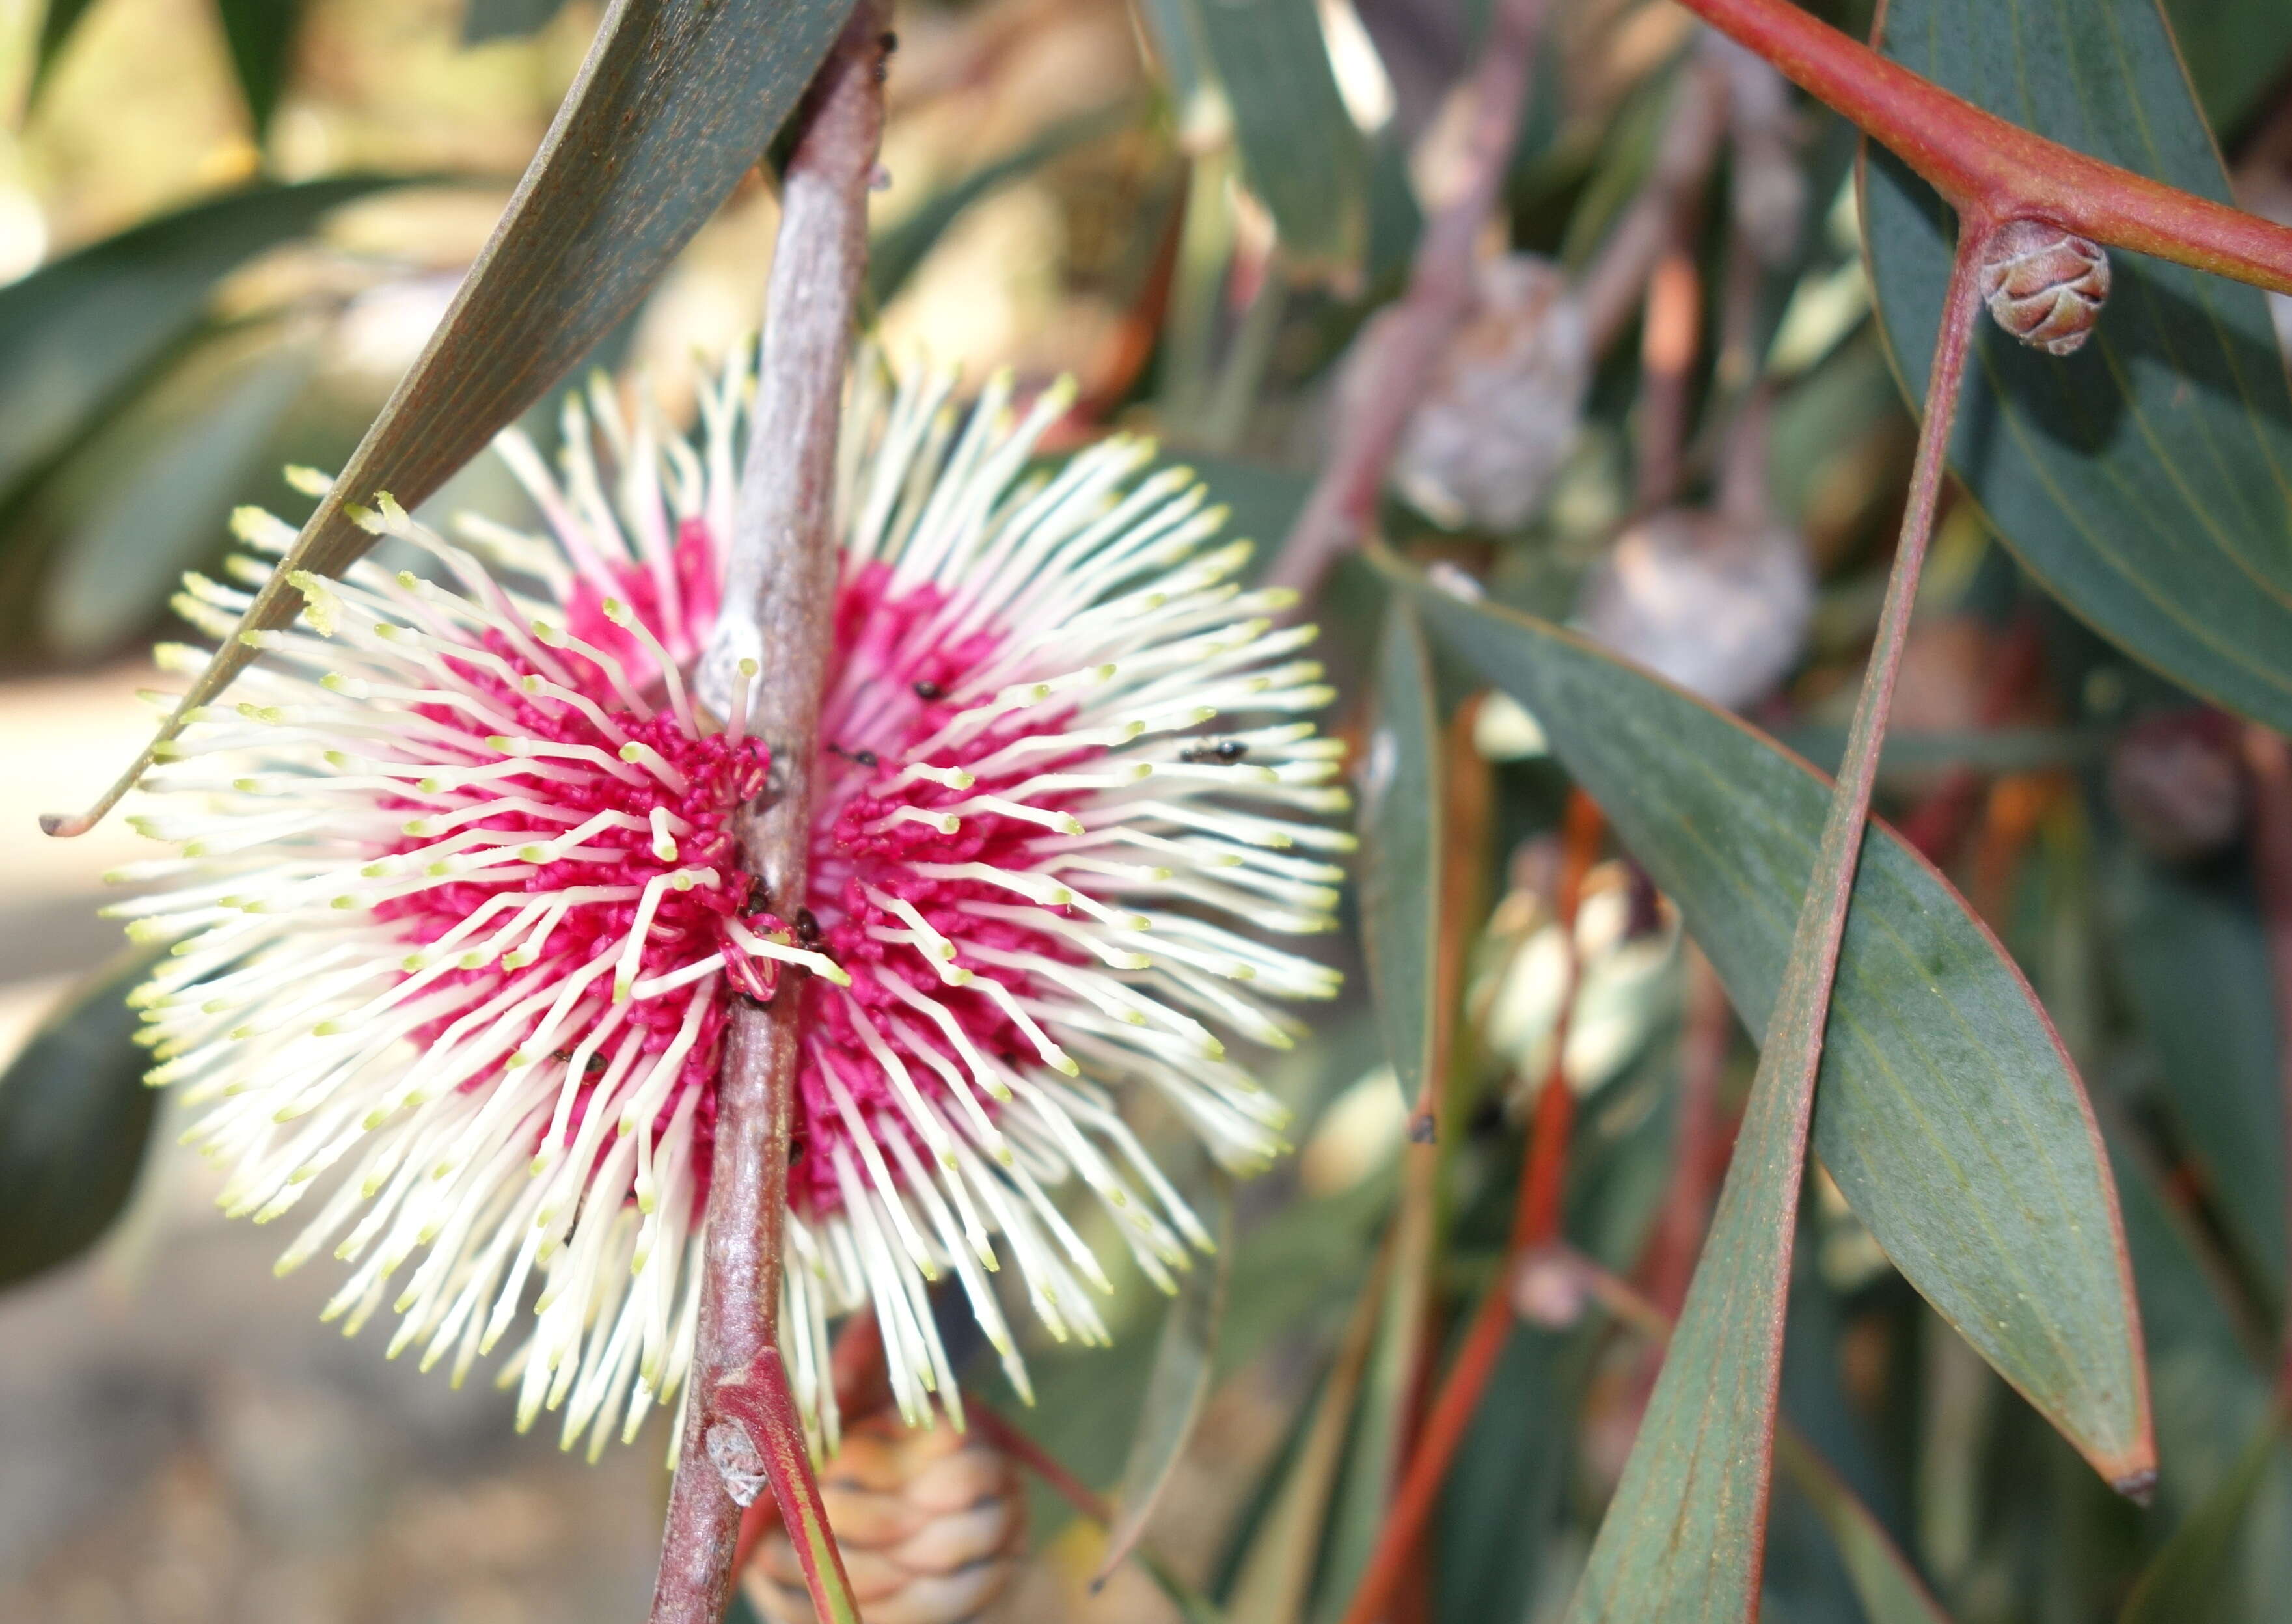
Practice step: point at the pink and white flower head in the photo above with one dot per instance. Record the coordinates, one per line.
(459, 915)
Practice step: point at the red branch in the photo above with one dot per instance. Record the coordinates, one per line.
(1988, 168)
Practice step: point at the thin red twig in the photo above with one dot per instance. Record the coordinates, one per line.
(778, 594)
(1413, 333)
(765, 1409)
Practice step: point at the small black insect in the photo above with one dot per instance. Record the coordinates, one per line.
(759, 896)
(807, 926)
(1214, 749)
(865, 758)
(795, 1152)
(928, 689)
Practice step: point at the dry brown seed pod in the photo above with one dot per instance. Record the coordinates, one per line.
(2044, 284)
(1503, 406)
(930, 1523)
(1719, 606)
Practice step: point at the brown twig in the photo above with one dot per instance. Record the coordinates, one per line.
(778, 594)
(1612, 285)
(1409, 340)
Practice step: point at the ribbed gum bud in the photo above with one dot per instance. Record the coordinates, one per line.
(2044, 284)
(930, 1521)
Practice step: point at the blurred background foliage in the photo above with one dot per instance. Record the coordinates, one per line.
(231, 225)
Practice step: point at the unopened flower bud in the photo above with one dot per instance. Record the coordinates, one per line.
(2044, 284)
(929, 1523)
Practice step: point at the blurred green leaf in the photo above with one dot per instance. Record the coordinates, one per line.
(1273, 1578)
(1946, 1112)
(1178, 1388)
(489, 20)
(2196, 964)
(674, 103)
(893, 254)
(2237, 51)
(1401, 854)
(261, 37)
(1884, 1582)
(56, 25)
(74, 1116)
(161, 503)
(1301, 151)
(2212, 1392)
(2185, 1579)
(2147, 479)
(77, 332)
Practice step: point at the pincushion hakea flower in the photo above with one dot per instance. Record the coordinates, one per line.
(458, 916)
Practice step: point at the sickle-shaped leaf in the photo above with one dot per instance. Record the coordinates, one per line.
(2146, 479)
(1884, 1582)
(674, 102)
(1400, 853)
(1947, 1110)
(74, 1116)
(1301, 151)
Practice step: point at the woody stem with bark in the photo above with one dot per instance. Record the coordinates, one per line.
(779, 593)
(1409, 339)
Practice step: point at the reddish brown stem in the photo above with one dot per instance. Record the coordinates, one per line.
(1670, 1259)
(762, 1406)
(1411, 336)
(1535, 1219)
(779, 590)
(1989, 168)
(2269, 765)
(1543, 1180)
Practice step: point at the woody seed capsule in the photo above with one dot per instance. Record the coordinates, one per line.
(2045, 285)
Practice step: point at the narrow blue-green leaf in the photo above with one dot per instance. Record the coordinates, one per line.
(2185, 1579)
(1178, 1388)
(74, 1116)
(1301, 151)
(674, 104)
(2213, 1391)
(2237, 51)
(1888, 1586)
(1946, 1109)
(76, 333)
(260, 35)
(1400, 853)
(2147, 479)
(158, 515)
(491, 20)
(2196, 961)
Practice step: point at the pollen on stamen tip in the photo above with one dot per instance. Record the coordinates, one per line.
(476, 924)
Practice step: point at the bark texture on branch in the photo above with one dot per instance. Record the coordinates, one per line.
(779, 593)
